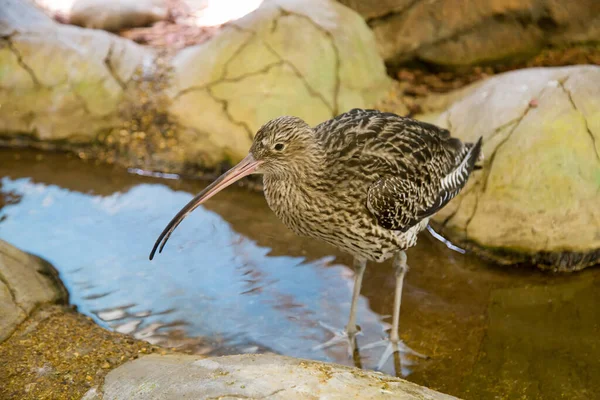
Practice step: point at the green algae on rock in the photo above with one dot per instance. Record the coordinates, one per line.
(296, 58)
(60, 82)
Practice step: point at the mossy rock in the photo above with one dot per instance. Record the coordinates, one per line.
(537, 200)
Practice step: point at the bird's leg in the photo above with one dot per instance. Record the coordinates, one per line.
(348, 335)
(359, 271)
(394, 344)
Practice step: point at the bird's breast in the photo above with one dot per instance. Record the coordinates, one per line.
(296, 206)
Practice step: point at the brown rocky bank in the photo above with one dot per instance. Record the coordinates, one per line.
(60, 354)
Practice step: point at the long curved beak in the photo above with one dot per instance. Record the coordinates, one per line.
(245, 167)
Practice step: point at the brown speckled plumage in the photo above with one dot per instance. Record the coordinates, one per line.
(366, 182)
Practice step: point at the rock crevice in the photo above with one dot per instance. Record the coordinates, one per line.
(225, 105)
(12, 293)
(336, 90)
(109, 66)
(22, 63)
(585, 121)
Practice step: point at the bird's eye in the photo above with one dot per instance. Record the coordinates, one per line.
(279, 146)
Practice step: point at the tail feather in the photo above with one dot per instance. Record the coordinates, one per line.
(452, 183)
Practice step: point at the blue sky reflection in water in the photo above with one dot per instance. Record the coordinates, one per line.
(216, 281)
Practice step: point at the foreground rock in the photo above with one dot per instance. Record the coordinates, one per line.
(26, 282)
(537, 199)
(251, 377)
(456, 32)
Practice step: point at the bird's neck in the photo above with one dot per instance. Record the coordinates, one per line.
(307, 169)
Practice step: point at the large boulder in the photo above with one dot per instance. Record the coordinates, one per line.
(60, 82)
(458, 32)
(538, 197)
(312, 59)
(26, 282)
(251, 377)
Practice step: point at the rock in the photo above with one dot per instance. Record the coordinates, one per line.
(455, 33)
(61, 82)
(536, 200)
(115, 15)
(313, 60)
(252, 376)
(26, 282)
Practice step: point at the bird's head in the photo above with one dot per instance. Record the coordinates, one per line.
(285, 147)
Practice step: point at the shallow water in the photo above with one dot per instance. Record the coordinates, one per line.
(233, 279)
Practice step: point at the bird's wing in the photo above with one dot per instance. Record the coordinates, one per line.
(385, 143)
(400, 202)
(411, 169)
(453, 182)
(395, 202)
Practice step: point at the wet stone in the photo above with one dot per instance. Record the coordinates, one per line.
(253, 376)
(25, 283)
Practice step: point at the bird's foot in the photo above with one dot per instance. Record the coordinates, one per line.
(391, 347)
(340, 336)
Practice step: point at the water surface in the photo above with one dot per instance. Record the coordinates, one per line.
(233, 279)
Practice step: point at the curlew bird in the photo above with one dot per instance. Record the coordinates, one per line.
(366, 182)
